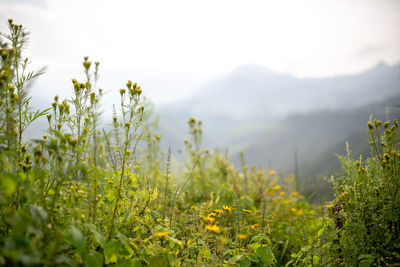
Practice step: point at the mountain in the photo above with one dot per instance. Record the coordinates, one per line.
(270, 115)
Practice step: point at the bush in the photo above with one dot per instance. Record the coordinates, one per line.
(366, 209)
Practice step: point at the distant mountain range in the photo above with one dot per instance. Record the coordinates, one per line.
(270, 115)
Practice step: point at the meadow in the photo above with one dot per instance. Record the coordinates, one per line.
(87, 196)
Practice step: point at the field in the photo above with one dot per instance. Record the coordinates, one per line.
(86, 196)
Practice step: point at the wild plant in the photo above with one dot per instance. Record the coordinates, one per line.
(366, 209)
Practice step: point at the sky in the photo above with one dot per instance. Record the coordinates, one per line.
(173, 48)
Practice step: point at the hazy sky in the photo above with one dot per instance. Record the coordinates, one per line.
(172, 47)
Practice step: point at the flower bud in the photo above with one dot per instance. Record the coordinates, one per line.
(10, 87)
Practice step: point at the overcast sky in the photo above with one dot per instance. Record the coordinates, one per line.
(173, 47)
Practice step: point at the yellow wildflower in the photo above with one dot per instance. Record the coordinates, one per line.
(253, 226)
(295, 194)
(218, 211)
(227, 208)
(208, 219)
(293, 209)
(278, 187)
(270, 191)
(300, 212)
(247, 211)
(271, 172)
(213, 228)
(282, 193)
(274, 213)
(242, 236)
(161, 234)
(81, 191)
(193, 207)
(287, 201)
(212, 214)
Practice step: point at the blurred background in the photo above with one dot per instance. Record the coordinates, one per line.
(287, 82)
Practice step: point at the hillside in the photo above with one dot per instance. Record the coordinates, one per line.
(269, 116)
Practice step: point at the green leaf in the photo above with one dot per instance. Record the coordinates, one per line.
(315, 259)
(38, 214)
(75, 237)
(245, 262)
(129, 263)
(97, 236)
(262, 239)
(265, 254)
(111, 251)
(93, 258)
(253, 258)
(8, 184)
(159, 260)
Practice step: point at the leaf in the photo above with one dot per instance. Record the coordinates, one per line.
(111, 251)
(38, 214)
(75, 237)
(159, 260)
(129, 263)
(253, 258)
(93, 258)
(245, 262)
(315, 259)
(7, 184)
(265, 254)
(97, 236)
(262, 239)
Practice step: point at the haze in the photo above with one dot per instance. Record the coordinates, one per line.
(174, 47)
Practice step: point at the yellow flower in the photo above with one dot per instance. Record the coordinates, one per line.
(193, 207)
(253, 226)
(81, 191)
(161, 234)
(274, 213)
(271, 172)
(300, 212)
(270, 191)
(218, 211)
(293, 209)
(227, 208)
(213, 228)
(278, 187)
(212, 214)
(247, 211)
(242, 236)
(208, 219)
(282, 193)
(295, 194)
(287, 201)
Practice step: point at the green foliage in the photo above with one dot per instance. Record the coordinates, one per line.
(366, 209)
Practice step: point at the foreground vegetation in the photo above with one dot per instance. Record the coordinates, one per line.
(83, 195)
